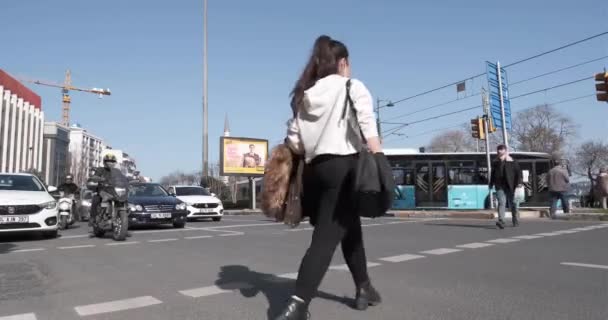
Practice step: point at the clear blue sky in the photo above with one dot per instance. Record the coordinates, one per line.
(149, 53)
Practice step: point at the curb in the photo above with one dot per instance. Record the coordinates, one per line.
(435, 214)
(241, 212)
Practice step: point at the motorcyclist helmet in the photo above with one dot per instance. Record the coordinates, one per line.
(69, 178)
(109, 161)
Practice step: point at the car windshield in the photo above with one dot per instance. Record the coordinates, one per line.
(20, 183)
(191, 191)
(147, 190)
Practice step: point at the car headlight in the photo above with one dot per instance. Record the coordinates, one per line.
(85, 203)
(180, 206)
(64, 206)
(49, 205)
(135, 208)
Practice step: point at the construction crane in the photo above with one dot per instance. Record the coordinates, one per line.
(66, 87)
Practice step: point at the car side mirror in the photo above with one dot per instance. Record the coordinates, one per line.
(52, 189)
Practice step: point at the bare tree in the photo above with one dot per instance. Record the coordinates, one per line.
(589, 158)
(452, 141)
(543, 129)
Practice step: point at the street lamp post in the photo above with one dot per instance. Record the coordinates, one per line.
(205, 100)
(378, 107)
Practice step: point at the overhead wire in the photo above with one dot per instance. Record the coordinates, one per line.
(506, 66)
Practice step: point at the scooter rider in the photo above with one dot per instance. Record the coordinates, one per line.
(68, 186)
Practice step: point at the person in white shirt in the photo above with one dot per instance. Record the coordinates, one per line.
(329, 140)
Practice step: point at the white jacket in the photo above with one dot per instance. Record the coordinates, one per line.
(318, 128)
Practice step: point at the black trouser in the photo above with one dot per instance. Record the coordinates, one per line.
(95, 203)
(327, 199)
(555, 196)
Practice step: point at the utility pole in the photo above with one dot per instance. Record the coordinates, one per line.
(486, 116)
(205, 98)
(378, 118)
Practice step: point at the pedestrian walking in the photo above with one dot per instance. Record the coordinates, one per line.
(506, 177)
(559, 183)
(322, 132)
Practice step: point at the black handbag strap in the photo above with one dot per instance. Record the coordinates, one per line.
(349, 104)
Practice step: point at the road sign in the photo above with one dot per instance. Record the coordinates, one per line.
(495, 84)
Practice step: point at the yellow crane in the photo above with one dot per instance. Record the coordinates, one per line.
(66, 87)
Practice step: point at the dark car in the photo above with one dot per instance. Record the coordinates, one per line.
(150, 203)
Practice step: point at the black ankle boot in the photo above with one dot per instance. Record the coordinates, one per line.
(367, 296)
(295, 310)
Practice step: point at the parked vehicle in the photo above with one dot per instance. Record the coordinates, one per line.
(26, 205)
(112, 214)
(150, 203)
(200, 202)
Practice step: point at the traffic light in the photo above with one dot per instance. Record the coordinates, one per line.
(602, 86)
(478, 128)
(491, 127)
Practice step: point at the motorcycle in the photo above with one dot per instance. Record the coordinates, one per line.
(112, 214)
(66, 206)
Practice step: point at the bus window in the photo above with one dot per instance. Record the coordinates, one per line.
(462, 176)
(403, 177)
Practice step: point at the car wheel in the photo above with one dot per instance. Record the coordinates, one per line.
(217, 219)
(50, 234)
(179, 224)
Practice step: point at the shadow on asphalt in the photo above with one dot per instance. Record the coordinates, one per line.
(276, 290)
(6, 247)
(461, 225)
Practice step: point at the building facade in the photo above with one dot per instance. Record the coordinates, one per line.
(56, 153)
(85, 153)
(21, 126)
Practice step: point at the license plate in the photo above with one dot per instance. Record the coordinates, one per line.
(161, 215)
(64, 213)
(206, 210)
(14, 219)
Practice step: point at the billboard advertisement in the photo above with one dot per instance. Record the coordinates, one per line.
(243, 156)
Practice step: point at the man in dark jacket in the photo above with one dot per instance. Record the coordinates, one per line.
(559, 180)
(506, 177)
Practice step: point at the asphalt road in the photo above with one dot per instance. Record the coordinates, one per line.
(242, 268)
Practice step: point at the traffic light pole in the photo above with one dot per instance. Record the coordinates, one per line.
(486, 118)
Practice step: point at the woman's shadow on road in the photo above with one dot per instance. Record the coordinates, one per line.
(277, 290)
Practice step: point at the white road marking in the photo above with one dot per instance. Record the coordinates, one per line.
(567, 231)
(585, 265)
(25, 316)
(344, 267)
(231, 234)
(27, 250)
(474, 245)
(293, 275)
(503, 240)
(118, 305)
(527, 237)
(243, 226)
(402, 258)
(213, 290)
(547, 234)
(163, 240)
(121, 243)
(77, 247)
(440, 251)
(198, 237)
(74, 236)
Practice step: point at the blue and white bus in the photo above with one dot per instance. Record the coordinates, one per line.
(459, 180)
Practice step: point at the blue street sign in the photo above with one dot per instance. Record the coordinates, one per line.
(494, 92)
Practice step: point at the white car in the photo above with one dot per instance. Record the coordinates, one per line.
(201, 203)
(26, 205)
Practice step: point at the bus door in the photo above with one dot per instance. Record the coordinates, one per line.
(431, 184)
(405, 197)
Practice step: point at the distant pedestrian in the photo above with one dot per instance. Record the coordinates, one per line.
(559, 183)
(506, 177)
(330, 148)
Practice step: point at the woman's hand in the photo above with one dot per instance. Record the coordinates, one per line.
(374, 145)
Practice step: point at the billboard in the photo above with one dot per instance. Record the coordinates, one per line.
(243, 156)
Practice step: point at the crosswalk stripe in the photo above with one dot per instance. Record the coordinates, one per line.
(118, 305)
(402, 258)
(213, 290)
(440, 251)
(25, 316)
(474, 245)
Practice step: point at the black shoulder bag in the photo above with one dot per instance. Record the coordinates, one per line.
(374, 185)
